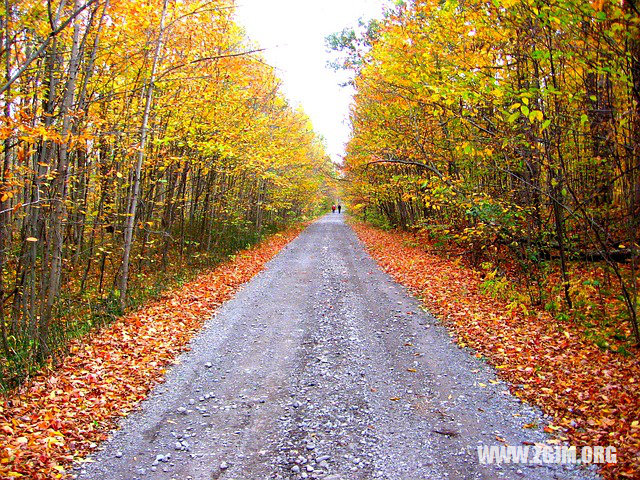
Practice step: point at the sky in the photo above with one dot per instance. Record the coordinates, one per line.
(293, 33)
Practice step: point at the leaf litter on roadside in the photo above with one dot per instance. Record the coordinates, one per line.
(63, 412)
(592, 394)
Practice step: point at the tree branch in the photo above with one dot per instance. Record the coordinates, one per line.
(215, 57)
(45, 44)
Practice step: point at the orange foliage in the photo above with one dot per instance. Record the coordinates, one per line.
(61, 414)
(592, 395)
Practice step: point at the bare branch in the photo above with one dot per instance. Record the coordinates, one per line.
(215, 57)
(45, 44)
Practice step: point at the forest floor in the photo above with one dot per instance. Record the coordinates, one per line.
(322, 366)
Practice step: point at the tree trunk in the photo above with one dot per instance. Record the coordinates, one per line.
(133, 202)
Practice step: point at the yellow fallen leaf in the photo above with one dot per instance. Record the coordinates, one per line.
(411, 370)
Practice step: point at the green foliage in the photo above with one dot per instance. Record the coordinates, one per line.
(351, 45)
(500, 129)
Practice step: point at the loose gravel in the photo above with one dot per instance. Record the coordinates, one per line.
(322, 367)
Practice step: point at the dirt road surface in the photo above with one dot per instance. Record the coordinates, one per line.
(323, 367)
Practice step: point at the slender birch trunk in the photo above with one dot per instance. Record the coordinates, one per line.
(60, 189)
(135, 192)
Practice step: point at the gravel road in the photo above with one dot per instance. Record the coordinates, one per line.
(323, 367)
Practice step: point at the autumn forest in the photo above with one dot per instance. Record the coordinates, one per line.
(137, 135)
(494, 154)
(508, 129)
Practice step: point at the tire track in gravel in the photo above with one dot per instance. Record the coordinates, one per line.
(323, 367)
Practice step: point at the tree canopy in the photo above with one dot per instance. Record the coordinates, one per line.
(132, 132)
(510, 128)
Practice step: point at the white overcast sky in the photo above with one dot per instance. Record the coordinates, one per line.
(293, 32)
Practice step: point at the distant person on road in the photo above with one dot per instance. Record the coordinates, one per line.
(333, 209)
(339, 208)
